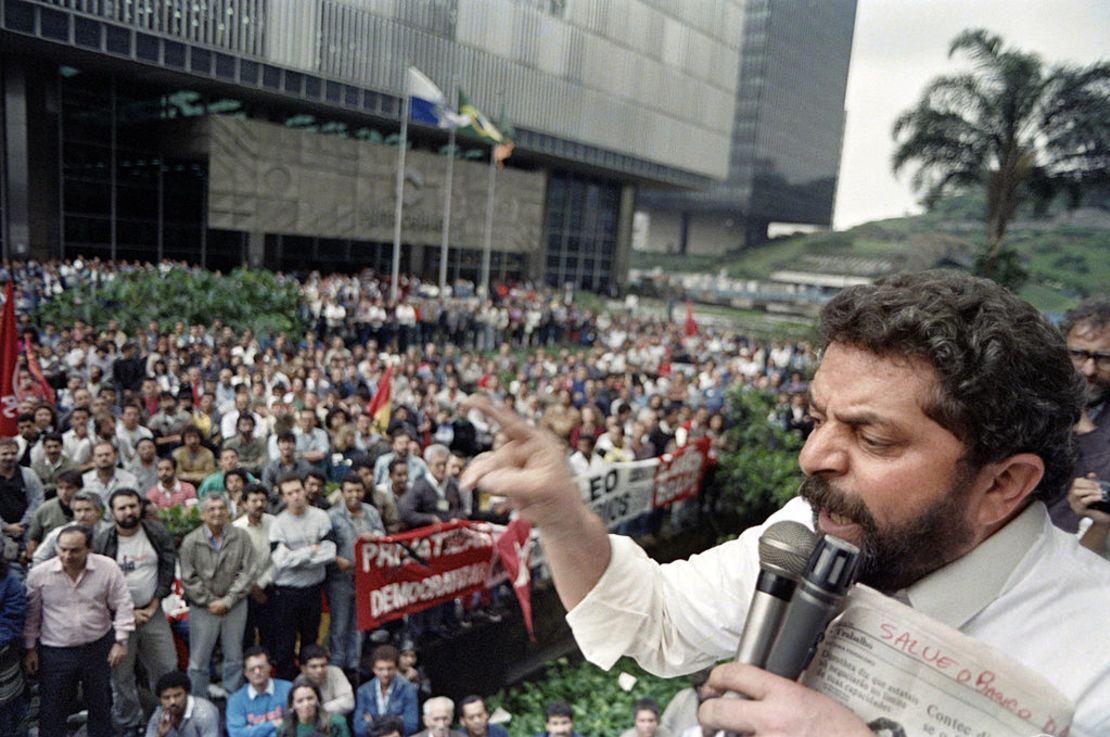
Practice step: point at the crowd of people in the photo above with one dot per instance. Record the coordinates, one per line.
(270, 439)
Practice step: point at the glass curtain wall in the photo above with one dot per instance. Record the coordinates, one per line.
(123, 196)
(580, 231)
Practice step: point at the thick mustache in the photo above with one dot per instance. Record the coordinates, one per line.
(823, 495)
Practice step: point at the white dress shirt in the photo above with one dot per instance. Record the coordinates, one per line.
(1029, 590)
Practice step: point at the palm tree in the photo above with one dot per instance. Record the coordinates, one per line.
(1012, 126)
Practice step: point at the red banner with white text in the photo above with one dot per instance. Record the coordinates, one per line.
(401, 574)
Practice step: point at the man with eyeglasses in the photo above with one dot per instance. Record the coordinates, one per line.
(1087, 331)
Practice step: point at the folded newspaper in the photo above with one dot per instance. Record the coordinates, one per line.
(907, 674)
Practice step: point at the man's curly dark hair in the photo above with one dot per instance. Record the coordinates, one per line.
(1006, 384)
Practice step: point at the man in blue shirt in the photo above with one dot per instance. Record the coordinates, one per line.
(257, 709)
(385, 694)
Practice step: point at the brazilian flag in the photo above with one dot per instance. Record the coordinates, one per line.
(480, 125)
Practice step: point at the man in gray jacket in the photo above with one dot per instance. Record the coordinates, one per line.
(21, 494)
(217, 565)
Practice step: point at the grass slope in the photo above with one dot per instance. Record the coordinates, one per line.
(1067, 254)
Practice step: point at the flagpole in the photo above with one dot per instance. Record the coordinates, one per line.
(487, 246)
(447, 205)
(399, 207)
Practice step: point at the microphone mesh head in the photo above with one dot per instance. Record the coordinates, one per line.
(785, 547)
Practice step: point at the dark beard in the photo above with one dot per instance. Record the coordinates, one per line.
(129, 522)
(895, 558)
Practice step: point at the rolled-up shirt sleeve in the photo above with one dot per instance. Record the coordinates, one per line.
(675, 618)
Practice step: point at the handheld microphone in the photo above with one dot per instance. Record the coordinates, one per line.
(830, 572)
(784, 550)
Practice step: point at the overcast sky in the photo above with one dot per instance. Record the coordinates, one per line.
(902, 44)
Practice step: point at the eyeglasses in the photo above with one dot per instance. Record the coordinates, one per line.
(1080, 357)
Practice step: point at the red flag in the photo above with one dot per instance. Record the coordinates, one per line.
(44, 387)
(9, 357)
(691, 326)
(514, 547)
(380, 404)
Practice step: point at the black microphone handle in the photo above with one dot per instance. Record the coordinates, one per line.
(831, 571)
(802, 629)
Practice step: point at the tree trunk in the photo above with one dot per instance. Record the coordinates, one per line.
(1003, 197)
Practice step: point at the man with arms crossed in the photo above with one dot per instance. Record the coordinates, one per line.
(943, 411)
(302, 544)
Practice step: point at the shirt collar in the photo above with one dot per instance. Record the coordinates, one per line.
(55, 563)
(190, 702)
(255, 694)
(957, 592)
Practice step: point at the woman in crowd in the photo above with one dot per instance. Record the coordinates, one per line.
(305, 717)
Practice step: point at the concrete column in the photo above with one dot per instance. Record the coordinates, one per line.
(623, 256)
(256, 249)
(17, 163)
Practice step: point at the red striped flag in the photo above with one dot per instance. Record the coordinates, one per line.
(380, 404)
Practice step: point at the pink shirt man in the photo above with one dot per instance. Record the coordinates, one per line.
(62, 612)
(180, 494)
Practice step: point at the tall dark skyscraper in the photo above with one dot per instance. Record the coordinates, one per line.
(787, 131)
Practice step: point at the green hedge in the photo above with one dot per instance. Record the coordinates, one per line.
(759, 470)
(243, 298)
(601, 707)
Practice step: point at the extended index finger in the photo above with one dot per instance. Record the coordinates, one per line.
(511, 423)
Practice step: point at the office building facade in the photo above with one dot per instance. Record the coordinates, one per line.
(265, 131)
(787, 134)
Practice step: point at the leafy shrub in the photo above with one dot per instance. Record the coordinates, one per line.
(244, 298)
(180, 521)
(601, 707)
(759, 469)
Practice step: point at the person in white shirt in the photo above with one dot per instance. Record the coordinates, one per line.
(335, 690)
(105, 477)
(257, 523)
(943, 410)
(76, 443)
